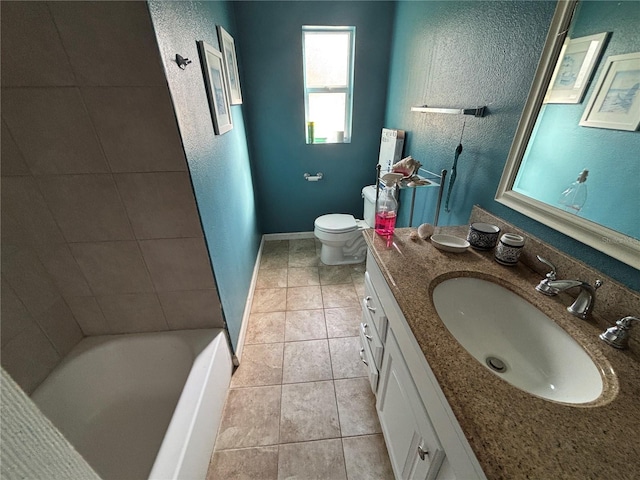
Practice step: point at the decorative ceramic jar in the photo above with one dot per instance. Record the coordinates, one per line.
(509, 249)
(483, 236)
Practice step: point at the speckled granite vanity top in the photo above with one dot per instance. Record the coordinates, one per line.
(515, 434)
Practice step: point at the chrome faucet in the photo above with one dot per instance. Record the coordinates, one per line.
(583, 304)
(618, 336)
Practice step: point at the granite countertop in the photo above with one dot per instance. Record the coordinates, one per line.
(513, 433)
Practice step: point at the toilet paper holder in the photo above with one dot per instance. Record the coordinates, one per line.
(313, 178)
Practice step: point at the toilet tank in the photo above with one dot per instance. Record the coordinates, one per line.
(369, 195)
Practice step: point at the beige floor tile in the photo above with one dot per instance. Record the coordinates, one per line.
(367, 458)
(306, 361)
(303, 298)
(302, 245)
(304, 325)
(250, 418)
(319, 460)
(303, 277)
(356, 407)
(266, 327)
(272, 278)
(345, 358)
(275, 246)
(358, 283)
(274, 259)
(309, 412)
(343, 322)
(269, 300)
(261, 365)
(335, 275)
(303, 258)
(244, 464)
(334, 296)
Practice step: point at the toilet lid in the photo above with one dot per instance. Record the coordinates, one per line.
(336, 223)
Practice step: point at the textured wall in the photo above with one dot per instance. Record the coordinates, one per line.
(271, 56)
(100, 230)
(219, 165)
(31, 446)
(465, 54)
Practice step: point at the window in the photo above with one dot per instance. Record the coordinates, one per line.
(327, 57)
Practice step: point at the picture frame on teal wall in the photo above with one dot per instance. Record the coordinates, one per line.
(615, 101)
(575, 67)
(213, 73)
(228, 48)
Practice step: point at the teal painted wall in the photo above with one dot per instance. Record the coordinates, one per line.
(465, 54)
(219, 165)
(271, 53)
(565, 148)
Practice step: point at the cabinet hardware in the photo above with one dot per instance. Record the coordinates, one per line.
(362, 357)
(364, 332)
(367, 299)
(422, 453)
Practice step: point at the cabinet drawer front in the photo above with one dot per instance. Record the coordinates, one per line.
(370, 333)
(372, 305)
(367, 358)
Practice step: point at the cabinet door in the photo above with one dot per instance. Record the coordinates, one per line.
(414, 448)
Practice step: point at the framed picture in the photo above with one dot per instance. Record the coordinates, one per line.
(615, 101)
(213, 72)
(576, 64)
(228, 47)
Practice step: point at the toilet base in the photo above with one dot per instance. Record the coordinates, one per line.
(355, 252)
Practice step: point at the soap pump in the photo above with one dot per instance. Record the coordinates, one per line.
(386, 210)
(573, 198)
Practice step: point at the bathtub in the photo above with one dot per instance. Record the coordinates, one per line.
(141, 406)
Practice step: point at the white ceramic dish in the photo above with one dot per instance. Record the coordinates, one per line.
(449, 243)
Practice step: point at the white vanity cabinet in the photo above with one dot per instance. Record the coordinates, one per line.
(423, 437)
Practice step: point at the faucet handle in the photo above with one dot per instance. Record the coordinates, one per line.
(543, 286)
(552, 274)
(618, 336)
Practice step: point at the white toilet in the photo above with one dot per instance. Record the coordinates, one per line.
(341, 234)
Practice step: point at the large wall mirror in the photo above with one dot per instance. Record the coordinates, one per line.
(582, 114)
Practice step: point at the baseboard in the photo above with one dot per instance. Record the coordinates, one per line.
(247, 306)
(287, 236)
(254, 281)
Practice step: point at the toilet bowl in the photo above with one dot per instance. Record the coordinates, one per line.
(341, 234)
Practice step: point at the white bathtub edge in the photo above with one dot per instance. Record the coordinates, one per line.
(188, 444)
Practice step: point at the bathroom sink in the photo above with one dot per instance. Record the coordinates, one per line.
(516, 341)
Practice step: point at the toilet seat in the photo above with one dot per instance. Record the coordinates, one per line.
(336, 223)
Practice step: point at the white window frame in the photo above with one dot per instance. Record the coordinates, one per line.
(347, 89)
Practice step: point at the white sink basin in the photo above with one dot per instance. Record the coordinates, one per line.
(499, 328)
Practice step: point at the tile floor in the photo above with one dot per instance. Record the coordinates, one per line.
(300, 405)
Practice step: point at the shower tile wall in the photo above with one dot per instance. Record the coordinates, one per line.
(100, 229)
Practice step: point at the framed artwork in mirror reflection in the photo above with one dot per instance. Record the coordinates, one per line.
(576, 64)
(213, 73)
(615, 101)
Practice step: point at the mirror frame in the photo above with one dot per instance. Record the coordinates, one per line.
(608, 241)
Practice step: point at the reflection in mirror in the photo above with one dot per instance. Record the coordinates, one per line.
(545, 174)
